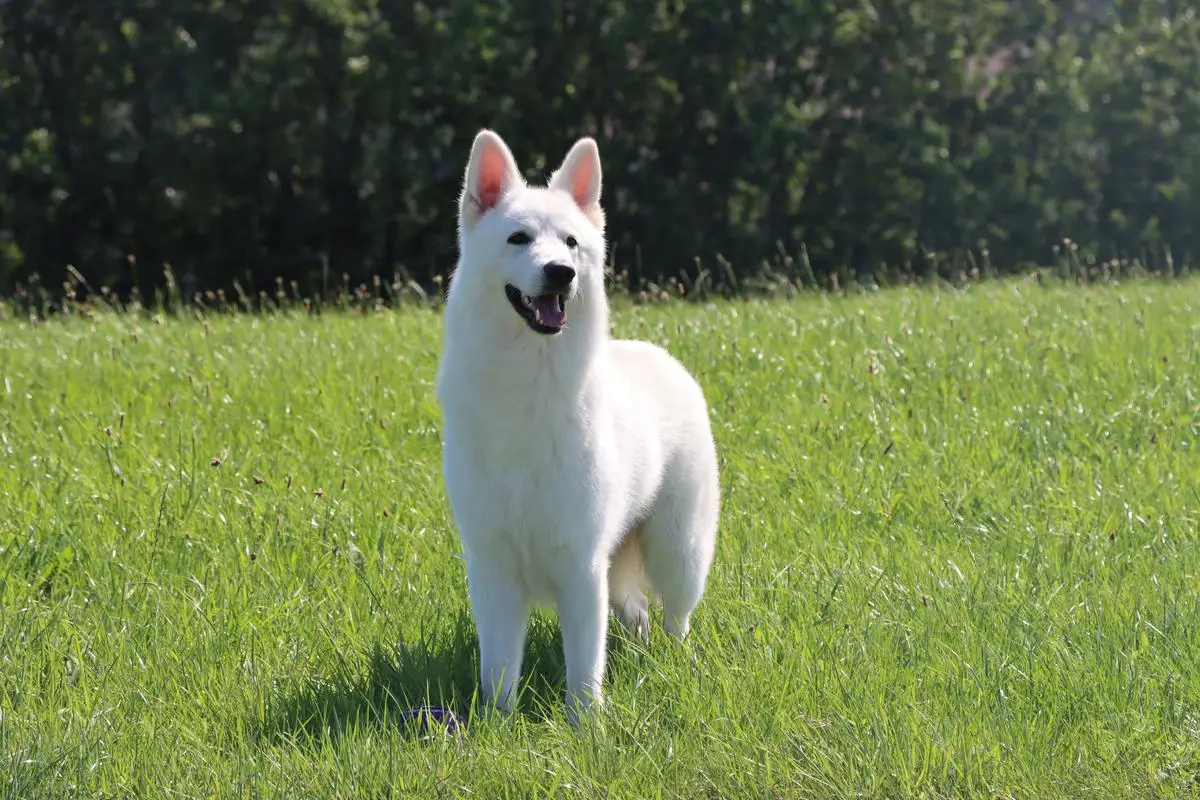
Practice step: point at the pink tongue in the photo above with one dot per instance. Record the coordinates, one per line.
(549, 312)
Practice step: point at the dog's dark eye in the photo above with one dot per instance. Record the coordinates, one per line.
(572, 241)
(520, 237)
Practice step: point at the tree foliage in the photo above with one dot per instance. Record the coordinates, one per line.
(246, 140)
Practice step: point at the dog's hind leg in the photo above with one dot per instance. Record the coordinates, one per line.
(678, 540)
(626, 586)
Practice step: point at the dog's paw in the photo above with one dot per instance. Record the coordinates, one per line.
(634, 615)
(584, 710)
(677, 629)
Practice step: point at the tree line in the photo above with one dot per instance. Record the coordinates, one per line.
(318, 142)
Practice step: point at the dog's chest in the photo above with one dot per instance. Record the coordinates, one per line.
(531, 466)
(527, 457)
(537, 486)
(534, 477)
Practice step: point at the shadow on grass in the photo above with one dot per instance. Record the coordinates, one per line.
(440, 668)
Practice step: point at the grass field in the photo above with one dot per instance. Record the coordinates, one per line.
(959, 557)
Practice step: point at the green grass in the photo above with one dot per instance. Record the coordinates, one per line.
(958, 558)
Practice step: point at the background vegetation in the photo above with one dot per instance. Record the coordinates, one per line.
(322, 141)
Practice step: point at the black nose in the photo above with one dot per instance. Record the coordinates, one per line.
(558, 278)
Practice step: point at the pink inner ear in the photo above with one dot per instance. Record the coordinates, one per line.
(489, 183)
(582, 178)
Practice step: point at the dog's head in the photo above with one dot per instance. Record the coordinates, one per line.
(535, 249)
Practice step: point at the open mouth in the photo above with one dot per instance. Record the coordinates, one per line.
(545, 313)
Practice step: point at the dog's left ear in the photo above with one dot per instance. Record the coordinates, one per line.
(579, 176)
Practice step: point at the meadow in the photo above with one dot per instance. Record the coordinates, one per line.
(958, 557)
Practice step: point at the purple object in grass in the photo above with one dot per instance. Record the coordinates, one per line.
(419, 718)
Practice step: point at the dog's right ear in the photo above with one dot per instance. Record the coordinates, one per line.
(491, 173)
(579, 176)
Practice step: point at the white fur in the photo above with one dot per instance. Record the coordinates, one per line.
(578, 468)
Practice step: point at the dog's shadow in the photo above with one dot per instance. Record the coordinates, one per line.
(440, 669)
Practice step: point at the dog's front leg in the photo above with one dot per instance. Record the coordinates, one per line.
(501, 608)
(582, 600)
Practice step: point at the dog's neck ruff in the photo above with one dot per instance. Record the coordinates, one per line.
(501, 353)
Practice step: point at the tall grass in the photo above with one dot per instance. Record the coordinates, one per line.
(958, 558)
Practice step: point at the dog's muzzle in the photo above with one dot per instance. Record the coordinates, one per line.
(545, 313)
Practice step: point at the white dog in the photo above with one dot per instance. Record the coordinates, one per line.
(578, 468)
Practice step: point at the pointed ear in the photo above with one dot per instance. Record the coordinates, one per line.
(579, 176)
(491, 173)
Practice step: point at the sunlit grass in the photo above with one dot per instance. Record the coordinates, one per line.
(958, 557)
